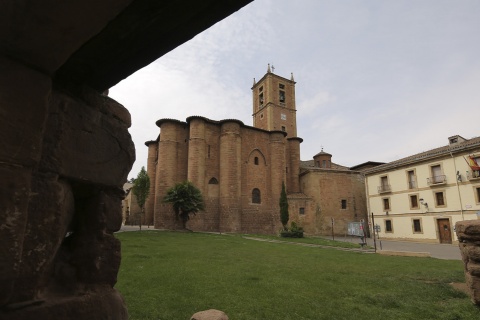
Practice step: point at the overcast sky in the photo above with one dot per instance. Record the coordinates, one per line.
(376, 80)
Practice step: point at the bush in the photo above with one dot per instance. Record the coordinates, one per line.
(293, 232)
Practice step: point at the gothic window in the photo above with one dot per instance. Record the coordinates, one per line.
(256, 196)
(213, 181)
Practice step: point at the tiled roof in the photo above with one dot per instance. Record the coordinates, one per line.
(310, 164)
(430, 154)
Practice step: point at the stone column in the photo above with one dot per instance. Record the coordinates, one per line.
(277, 173)
(468, 233)
(151, 172)
(166, 175)
(196, 153)
(293, 179)
(230, 176)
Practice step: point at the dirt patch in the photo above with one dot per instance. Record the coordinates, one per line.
(460, 286)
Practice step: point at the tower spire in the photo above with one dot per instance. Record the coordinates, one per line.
(254, 82)
(291, 76)
(268, 69)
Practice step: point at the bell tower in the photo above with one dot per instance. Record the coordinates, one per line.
(274, 104)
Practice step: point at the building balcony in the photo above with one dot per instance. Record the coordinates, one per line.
(435, 180)
(384, 188)
(473, 175)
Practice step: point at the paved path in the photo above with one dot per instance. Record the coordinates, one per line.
(434, 250)
(439, 251)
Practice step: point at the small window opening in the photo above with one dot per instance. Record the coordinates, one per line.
(256, 196)
(344, 204)
(213, 181)
(255, 161)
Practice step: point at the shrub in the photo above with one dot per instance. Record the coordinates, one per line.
(293, 232)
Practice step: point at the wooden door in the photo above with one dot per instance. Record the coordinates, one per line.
(444, 230)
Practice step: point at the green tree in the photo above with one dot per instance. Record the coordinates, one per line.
(186, 199)
(141, 188)
(284, 217)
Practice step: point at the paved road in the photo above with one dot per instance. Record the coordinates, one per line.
(439, 251)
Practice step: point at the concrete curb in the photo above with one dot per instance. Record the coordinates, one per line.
(403, 253)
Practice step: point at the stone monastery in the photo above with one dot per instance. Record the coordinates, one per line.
(240, 170)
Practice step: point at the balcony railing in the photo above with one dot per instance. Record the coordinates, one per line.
(384, 188)
(437, 180)
(412, 184)
(473, 175)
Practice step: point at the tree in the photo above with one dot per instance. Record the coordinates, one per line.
(141, 188)
(186, 199)
(284, 208)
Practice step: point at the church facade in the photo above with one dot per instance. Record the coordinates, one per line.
(240, 169)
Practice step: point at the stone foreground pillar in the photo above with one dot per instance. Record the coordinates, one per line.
(468, 233)
(67, 153)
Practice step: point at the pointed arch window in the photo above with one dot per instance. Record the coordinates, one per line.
(256, 198)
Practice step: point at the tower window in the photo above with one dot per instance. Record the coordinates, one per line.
(260, 89)
(301, 211)
(344, 204)
(260, 98)
(255, 161)
(256, 196)
(282, 96)
(283, 128)
(281, 86)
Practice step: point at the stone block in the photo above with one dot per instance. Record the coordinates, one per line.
(211, 314)
(23, 100)
(50, 212)
(14, 197)
(84, 144)
(96, 258)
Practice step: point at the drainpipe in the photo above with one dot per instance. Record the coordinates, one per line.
(458, 187)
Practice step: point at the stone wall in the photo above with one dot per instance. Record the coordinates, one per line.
(226, 160)
(328, 188)
(468, 233)
(61, 197)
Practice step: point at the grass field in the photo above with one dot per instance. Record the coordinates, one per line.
(168, 275)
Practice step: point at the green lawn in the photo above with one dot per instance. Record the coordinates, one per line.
(168, 275)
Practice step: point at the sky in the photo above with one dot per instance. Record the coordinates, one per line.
(376, 80)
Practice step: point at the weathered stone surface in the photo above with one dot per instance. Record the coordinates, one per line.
(50, 211)
(23, 99)
(14, 195)
(104, 304)
(211, 314)
(468, 233)
(103, 151)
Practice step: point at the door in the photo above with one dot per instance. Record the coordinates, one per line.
(444, 230)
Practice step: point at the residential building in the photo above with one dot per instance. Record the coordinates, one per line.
(421, 197)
